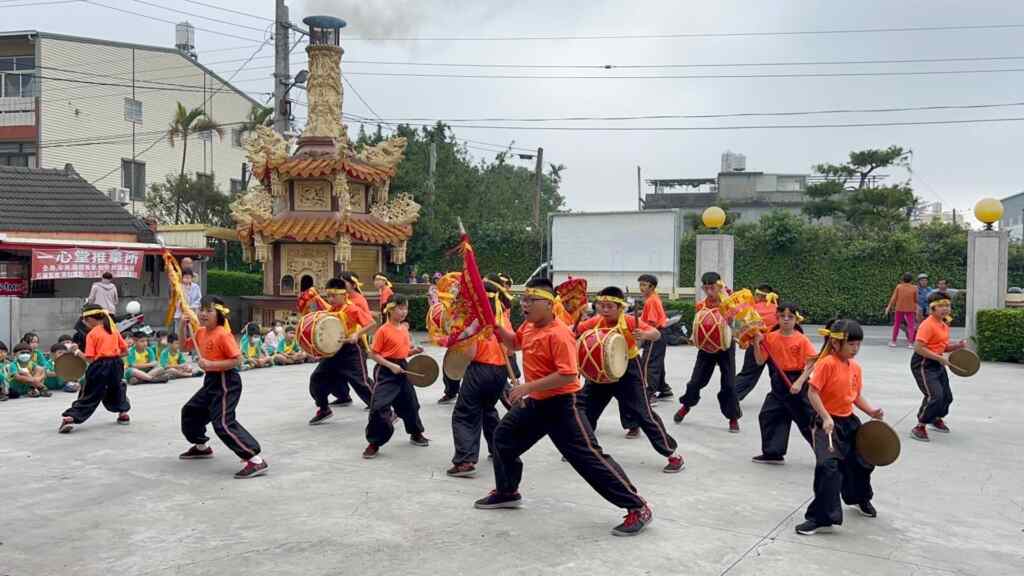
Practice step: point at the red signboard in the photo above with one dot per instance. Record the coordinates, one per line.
(62, 263)
(13, 286)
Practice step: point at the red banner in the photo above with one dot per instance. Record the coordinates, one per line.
(13, 286)
(62, 263)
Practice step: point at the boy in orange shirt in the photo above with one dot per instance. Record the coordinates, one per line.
(766, 305)
(346, 367)
(789, 354)
(104, 348)
(630, 390)
(215, 402)
(547, 404)
(835, 389)
(654, 350)
(928, 365)
(392, 345)
(482, 385)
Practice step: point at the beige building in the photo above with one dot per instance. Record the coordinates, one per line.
(105, 107)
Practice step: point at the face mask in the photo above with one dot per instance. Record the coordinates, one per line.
(68, 345)
(279, 330)
(23, 357)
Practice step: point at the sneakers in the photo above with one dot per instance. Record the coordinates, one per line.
(766, 459)
(919, 433)
(321, 415)
(734, 425)
(940, 426)
(195, 453)
(680, 414)
(124, 419)
(892, 344)
(636, 520)
(371, 451)
(419, 440)
(633, 433)
(4, 397)
(462, 470)
(33, 393)
(252, 470)
(866, 509)
(675, 464)
(811, 527)
(45, 393)
(664, 394)
(342, 402)
(446, 399)
(66, 426)
(494, 500)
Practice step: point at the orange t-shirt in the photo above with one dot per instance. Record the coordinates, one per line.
(548, 350)
(769, 313)
(392, 342)
(654, 312)
(934, 334)
(353, 316)
(904, 298)
(359, 300)
(102, 344)
(789, 353)
(217, 344)
(385, 294)
(838, 383)
(631, 325)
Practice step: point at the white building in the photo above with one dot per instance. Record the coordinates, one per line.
(928, 212)
(105, 106)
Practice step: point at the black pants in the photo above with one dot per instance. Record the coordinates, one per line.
(780, 410)
(103, 383)
(631, 393)
(515, 366)
(475, 410)
(933, 380)
(749, 375)
(451, 387)
(703, 368)
(654, 365)
(838, 473)
(392, 390)
(562, 418)
(334, 374)
(215, 404)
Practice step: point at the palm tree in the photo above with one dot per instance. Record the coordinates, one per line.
(258, 116)
(184, 124)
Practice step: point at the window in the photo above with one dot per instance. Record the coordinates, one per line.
(133, 110)
(18, 154)
(236, 186)
(133, 177)
(288, 284)
(236, 137)
(17, 76)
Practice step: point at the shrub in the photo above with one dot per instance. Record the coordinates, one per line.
(1000, 335)
(228, 283)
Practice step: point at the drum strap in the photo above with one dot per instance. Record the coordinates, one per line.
(781, 372)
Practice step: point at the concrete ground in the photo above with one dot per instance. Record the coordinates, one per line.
(116, 500)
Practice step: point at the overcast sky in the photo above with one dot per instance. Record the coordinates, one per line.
(955, 164)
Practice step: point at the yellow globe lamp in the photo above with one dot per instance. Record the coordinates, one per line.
(988, 211)
(713, 217)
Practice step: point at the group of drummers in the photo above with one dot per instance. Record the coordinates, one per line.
(576, 355)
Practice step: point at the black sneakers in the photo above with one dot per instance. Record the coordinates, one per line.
(341, 402)
(321, 415)
(866, 509)
(252, 470)
(419, 440)
(494, 501)
(766, 459)
(811, 527)
(633, 433)
(636, 520)
(664, 394)
(194, 453)
(462, 470)
(446, 399)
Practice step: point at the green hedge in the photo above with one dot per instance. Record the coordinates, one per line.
(1001, 335)
(227, 283)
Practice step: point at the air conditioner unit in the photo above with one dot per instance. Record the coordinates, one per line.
(119, 195)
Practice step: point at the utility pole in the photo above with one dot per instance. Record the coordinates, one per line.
(536, 197)
(282, 73)
(639, 194)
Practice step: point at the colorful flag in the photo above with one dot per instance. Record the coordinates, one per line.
(471, 312)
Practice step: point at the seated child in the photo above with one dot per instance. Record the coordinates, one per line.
(288, 350)
(143, 365)
(174, 362)
(56, 351)
(161, 341)
(39, 357)
(253, 355)
(26, 376)
(5, 391)
(272, 338)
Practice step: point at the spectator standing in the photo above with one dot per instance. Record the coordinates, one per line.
(904, 302)
(104, 293)
(193, 296)
(922, 297)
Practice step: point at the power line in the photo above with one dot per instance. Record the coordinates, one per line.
(666, 36)
(230, 10)
(39, 3)
(721, 115)
(194, 15)
(686, 76)
(166, 21)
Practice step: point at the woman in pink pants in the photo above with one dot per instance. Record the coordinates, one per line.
(904, 302)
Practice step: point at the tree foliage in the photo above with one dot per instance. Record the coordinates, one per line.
(185, 123)
(850, 191)
(201, 201)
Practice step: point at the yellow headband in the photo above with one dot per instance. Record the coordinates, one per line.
(542, 294)
(937, 303)
(612, 299)
(769, 297)
(384, 278)
(222, 309)
(501, 289)
(335, 291)
(389, 307)
(799, 318)
(832, 334)
(101, 312)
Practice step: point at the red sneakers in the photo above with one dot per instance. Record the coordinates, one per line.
(680, 414)
(940, 426)
(734, 425)
(462, 470)
(919, 433)
(371, 451)
(124, 419)
(195, 453)
(675, 464)
(636, 520)
(251, 470)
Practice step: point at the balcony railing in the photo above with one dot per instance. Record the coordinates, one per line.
(18, 111)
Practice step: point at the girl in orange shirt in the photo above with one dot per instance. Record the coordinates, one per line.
(904, 302)
(215, 402)
(104, 348)
(928, 365)
(384, 289)
(835, 389)
(392, 345)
